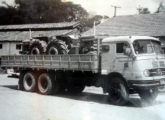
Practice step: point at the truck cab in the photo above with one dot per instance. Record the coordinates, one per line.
(137, 60)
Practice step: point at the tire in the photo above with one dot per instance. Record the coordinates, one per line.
(47, 84)
(20, 82)
(29, 82)
(37, 47)
(56, 47)
(118, 92)
(149, 95)
(161, 89)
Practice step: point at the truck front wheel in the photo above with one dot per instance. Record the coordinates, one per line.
(118, 93)
(29, 82)
(148, 95)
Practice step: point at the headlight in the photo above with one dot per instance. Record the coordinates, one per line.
(146, 73)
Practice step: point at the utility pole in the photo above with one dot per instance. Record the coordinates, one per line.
(115, 9)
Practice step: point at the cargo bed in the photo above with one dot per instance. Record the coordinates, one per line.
(54, 62)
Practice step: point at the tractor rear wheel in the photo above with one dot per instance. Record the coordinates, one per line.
(56, 47)
(37, 47)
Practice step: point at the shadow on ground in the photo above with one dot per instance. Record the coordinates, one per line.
(97, 98)
(14, 87)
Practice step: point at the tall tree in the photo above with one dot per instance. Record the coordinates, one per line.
(49, 11)
(9, 14)
(41, 11)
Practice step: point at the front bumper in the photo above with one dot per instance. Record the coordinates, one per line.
(145, 84)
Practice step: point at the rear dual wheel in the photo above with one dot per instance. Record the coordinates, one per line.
(29, 82)
(47, 84)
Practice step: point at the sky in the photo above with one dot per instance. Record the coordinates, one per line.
(104, 7)
(127, 7)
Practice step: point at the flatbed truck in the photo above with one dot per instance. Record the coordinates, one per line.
(121, 66)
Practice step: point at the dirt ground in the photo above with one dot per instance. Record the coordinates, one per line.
(92, 104)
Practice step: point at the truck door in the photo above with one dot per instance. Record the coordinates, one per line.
(107, 57)
(122, 62)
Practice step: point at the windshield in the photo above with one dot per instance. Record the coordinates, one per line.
(146, 46)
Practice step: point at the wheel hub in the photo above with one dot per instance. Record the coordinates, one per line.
(35, 51)
(53, 51)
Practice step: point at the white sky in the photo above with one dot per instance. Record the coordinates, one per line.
(103, 7)
(128, 7)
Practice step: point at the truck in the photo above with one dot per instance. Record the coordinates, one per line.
(121, 65)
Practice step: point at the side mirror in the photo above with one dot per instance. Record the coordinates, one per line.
(127, 51)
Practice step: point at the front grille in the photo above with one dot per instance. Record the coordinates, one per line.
(157, 64)
(157, 72)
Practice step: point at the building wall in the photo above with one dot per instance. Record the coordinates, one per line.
(9, 48)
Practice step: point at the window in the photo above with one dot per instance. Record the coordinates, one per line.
(146, 46)
(105, 48)
(18, 46)
(120, 47)
(0, 46)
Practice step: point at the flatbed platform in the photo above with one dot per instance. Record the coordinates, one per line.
(54, 62)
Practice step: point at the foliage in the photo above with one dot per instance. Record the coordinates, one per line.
(41, 11)
(161, 8)
(89, 22)
(142, 10)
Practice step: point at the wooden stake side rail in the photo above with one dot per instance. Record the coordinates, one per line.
(55, 62)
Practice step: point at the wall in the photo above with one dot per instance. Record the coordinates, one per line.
(9, 48)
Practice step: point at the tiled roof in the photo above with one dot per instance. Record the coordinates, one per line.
(143, 25)
(23, 27)
(23, 32)
(24, 35)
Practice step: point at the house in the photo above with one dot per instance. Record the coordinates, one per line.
(142, 25)
(11, 36)
(10, 47)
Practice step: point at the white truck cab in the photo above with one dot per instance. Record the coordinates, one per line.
(137, 59)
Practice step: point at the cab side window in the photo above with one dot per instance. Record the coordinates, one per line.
(121, 46)
(105, 48)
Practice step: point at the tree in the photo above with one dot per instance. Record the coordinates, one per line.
(41, 11)
(36, 11)
(142, 10)
(46, 11)
(161, 8)
(9, 14)
(89, 22)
